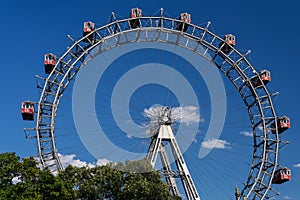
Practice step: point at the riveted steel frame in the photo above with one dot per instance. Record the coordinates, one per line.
(199, 40)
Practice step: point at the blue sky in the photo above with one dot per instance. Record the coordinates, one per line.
(31, 28)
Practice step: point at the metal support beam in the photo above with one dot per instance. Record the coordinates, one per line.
(165, 134)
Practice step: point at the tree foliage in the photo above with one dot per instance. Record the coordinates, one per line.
(23, 179)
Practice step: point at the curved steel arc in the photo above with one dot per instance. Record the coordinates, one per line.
(234, 65)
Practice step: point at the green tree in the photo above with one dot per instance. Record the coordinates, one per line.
(117, 181)
(146, 184)
(24, 180)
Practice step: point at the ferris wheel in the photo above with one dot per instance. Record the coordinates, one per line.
(163, 52)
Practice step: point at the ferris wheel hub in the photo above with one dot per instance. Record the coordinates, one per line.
(165, 117)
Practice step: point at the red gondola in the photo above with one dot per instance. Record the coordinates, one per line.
(27, 110)
(135, 13)
(49, 62)
(88, 27)
(184, 18)
(283, 123)
(282, 175)
(265, 76)
(229, 40)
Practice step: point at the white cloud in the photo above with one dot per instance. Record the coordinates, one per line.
(287, 197)
(101, 162)
(129, 136)
(215, 144)
(259, 131)
(70, 160)
(186, 114)
(246, 133)
(297, 165)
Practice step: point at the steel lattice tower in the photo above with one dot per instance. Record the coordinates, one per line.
(157, 147)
